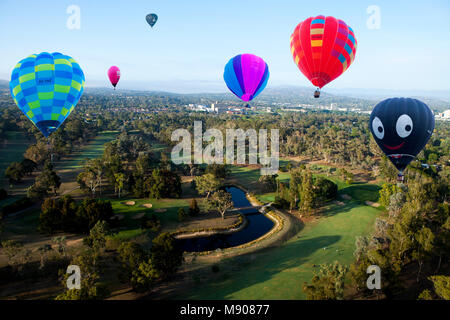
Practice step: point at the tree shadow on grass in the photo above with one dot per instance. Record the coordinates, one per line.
(339, 207)
(362, 192)
(240, 272)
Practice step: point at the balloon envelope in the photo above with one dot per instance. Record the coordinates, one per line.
(151, 19)
(114, 75)
(47, 87)
(246, 75)
(401, 128)
(323, 48)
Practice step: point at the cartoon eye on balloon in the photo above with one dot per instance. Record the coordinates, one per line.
(114, 75)
(401, 128)
(47, 87)
(246, 76)
(323, 48)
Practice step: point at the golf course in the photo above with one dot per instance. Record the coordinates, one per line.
(276, 272)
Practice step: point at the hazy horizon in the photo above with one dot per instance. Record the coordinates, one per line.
(189, 46)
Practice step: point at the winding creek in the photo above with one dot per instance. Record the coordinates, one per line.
(258, 225)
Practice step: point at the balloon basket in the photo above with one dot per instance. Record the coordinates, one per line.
(317, 93)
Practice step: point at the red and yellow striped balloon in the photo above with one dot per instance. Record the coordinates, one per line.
(323, 48)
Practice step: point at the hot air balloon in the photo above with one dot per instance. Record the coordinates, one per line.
(323, 48)
(151, 19)
(401, 127)
(246, 75)
(47, 87)
(114, 75)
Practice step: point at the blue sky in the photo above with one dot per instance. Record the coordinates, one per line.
(189, 46)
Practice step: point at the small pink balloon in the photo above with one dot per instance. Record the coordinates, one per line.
(114, 75)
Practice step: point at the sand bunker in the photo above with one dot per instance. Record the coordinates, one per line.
(346, 197)
(372, 204)
(160, 210)
(138, 216)
(147, 205)
(129, 203)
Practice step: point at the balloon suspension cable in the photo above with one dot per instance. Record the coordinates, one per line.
(50, 149)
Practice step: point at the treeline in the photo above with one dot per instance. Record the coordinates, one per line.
(410, 245)
(128, 165)
(304, 192)
(412, 242)
(64, 214)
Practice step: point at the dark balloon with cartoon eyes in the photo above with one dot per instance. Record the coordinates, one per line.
(401, 128)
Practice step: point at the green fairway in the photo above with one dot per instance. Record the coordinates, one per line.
(279, 273)
(12, 149)
(93, 149)
(168, 214)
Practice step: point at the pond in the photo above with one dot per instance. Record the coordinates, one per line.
(258, 225)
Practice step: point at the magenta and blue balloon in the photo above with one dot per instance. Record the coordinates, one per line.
(246, 75)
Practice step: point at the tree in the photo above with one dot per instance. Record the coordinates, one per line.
(28, 166)
(441, 286)
(163, 184)
(269, 182)
(38, 153)
(61, 243)
(207, 184)
(181, 214)
(91, 176)
(307, 195)
(91, 288)
(219, 171)
(325, 189)
(386, 191)
(119, 179)
(144, 276)
(143, 164)
(165, 255)
(193, 208)
(131, 255)
(58, 215)
(220, 201)
(327, 284)
(97, 236)
(48, 179)
(14, 172)
(90, 211)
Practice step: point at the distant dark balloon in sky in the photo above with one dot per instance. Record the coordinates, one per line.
(114, 75)
(151, 19)
(246, 75)
(401, 128)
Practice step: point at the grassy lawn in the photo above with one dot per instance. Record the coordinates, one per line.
(280, 273)
(132, 226)
(93, 149)
(11, 150)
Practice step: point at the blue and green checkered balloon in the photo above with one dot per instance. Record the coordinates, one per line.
(47, 87)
